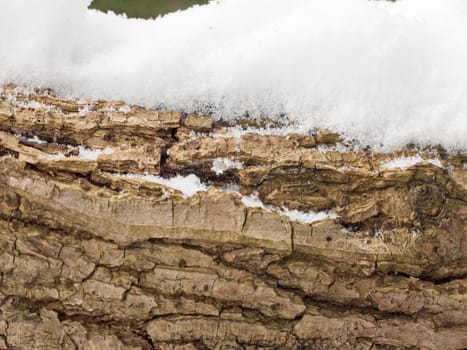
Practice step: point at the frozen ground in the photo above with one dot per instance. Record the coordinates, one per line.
(384, 73)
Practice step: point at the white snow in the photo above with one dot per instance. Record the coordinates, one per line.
(188, 185)
(84, 111)
(293, 215)
(385, 73)
(253, 201)
(191, 184)
(92, 154)
(36, 139)
(84, 153)
(406, 162)
(56, 156)
(124, 109)
(220, 165)
(348, 231)
(12, 97)
(308, 217)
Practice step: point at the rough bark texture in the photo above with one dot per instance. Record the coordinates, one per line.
(90, 259)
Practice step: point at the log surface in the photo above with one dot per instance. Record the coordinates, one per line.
(92, 258)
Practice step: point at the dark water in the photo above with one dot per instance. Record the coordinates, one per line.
(144, 8)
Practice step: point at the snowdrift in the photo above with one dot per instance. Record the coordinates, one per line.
(384, 73)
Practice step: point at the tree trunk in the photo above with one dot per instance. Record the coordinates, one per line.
(96, 254)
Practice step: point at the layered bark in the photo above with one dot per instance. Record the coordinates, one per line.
(93, 259)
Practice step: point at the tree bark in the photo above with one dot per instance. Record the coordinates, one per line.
(91, 258)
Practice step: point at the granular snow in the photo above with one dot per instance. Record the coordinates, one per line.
(385, 73)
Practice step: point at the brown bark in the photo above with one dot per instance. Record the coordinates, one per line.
(90, 259)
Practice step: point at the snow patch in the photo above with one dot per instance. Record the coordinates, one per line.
(384, 73)
(220, 165)
(308, 217)
(12, 97)
(293, 215)
(348, 231)
(124, 109)
(35, 139)
(54, 156)
(84, 111)
(191, 184)
(407, 162)
(84, 153)
(188, 185)
(92, 154)
(253, 201)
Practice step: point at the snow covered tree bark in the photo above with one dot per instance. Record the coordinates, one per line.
(94, 258)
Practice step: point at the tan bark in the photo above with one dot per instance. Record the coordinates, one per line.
(91, 259)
